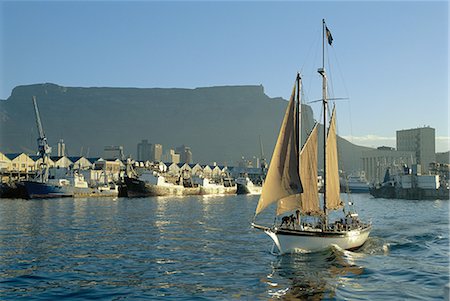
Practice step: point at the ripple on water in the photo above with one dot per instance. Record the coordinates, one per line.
(203, 248)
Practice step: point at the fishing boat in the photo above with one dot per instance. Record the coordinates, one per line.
(41, 186)
(71, 184)
(245, 185)
(208, 187)
(355, 183)
(151, 183)
(291, 184)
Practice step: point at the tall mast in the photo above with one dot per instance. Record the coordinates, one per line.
(298, 117)
(324, 102)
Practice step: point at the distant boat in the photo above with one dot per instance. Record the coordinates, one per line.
(411, 187)
(291, 184)
(355, 184)
(207, 187)
(48, 189)
(150, 183)
(41, 187)
(71, 185)
(246, 186)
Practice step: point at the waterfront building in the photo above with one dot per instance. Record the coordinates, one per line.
(5, 163)
(216, 172)
(80, 162)
(111, 169)
(184, 167)
(21, 162)
(375, 162)
(207, 171)
(38, 162)
(173, 169)
(113, 152)
(196, 169)
(421, 141)
(61, 161)
(144, 151)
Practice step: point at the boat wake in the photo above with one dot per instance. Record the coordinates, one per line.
(316, 275)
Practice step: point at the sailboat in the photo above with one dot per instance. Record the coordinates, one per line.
(291, 184)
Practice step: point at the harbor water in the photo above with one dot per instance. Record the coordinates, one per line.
(203, 248)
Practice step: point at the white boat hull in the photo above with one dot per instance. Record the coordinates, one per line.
(290, 241)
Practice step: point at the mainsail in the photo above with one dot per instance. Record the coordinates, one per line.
(283, 181)
(308, 201)
(308, 174)
(333, 200)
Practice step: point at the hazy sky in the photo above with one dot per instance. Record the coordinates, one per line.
(389, 58)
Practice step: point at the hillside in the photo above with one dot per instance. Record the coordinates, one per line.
(220, 124)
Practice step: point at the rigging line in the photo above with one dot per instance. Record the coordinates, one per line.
(340, 72)
(314, 62)
(330, 85)
(346, 92)
(317, 35)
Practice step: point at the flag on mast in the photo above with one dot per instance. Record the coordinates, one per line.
(329, 36)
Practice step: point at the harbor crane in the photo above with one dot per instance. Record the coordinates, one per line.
(44, 149)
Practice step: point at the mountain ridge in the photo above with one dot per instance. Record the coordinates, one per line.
(220, 123)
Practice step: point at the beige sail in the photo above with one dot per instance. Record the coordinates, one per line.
(282, 180)
(308, 174)
(308, 201)
(332, 171)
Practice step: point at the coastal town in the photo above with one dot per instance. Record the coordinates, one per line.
(411, 166)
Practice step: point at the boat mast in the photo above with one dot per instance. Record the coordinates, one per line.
(298, 136)
(298, 118)
(324, 102)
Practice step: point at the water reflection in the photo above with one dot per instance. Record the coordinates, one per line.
(312, 276)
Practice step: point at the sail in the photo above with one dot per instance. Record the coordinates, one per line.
(283, 180)
(332, 171)
(308, 202)
(308, 174)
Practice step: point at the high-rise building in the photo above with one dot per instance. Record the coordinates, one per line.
(144, 151)
(157, 151)
(421, 141)
(185, 154)
(171, 156)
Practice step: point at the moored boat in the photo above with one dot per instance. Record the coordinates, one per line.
(207, 187)
(355, 184)
(48, 189)
(246, 186)
(152, 184)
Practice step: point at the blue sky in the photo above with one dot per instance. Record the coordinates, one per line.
(389, 58)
